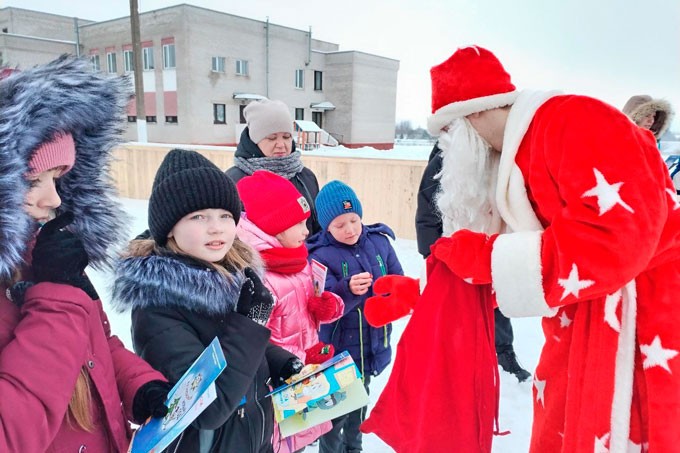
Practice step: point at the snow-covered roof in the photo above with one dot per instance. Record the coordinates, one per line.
(325, 105)
(307, 126)
(249, 96)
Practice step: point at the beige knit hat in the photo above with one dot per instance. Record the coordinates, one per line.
(267, 117)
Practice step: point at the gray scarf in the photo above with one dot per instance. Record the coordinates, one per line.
(286, 167)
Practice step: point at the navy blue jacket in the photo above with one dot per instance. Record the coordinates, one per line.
(368, 346)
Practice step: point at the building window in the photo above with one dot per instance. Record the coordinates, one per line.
(169, 56)
(217, 64)
(299, 78)
(218, 114)
(147, 58)
(171, 119)
(242, 67)
(94, 59)
(129, 60)
(317, 118)
(111, 65)
(132, 119)
(151, 119)
(241, 116)
(299, 114)
(318, 81)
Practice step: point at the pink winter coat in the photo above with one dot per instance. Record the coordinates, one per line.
(293, 327)
(43, 347)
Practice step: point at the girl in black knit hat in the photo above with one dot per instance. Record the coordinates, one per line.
(194, 280)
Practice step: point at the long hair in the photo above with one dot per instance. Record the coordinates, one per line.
(80, 406)
(238, 257)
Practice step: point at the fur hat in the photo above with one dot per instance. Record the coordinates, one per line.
(272, 202)
(186, 182)
(62, 97)
(639, 107)
(60, 151)
(267, 117)
(472, 80)
(334, 199)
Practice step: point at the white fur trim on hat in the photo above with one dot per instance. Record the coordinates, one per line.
(445, 115)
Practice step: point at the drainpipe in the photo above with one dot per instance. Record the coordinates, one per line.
(309, 47)
(77, 29)
(266, 56)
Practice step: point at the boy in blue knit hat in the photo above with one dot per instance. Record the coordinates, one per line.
(356, 255)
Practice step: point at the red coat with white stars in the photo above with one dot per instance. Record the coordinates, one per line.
(595, 248)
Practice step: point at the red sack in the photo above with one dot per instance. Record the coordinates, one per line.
(442, 395)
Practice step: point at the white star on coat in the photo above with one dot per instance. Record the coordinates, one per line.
(607, 194)
(674, 197)
(611, 302)
(656, 355)
(540, 391)
(572, 284)
(601, 444)
(564, 320)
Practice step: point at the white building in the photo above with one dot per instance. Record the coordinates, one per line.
(201, 67)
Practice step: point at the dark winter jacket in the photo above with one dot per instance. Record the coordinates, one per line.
(368, 346)
(305, 181)
(178, 307)
(428, 221)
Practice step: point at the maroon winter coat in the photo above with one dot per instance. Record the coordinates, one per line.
(43, 347)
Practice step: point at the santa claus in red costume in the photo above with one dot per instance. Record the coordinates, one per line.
(566, 207)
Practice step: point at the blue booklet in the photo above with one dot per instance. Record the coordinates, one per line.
(187, 399)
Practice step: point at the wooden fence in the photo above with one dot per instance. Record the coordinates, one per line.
(387, 188)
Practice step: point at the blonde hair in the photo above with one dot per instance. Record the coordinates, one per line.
(80, 406)
(239, 256)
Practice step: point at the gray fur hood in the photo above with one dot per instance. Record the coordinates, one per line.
(62, 96)
(172, 281)
(639, 107)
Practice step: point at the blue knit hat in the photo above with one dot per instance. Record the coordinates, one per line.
(334, 199)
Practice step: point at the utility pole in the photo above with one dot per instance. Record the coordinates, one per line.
(137, 67)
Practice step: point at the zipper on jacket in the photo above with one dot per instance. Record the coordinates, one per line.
(361, 344)
(263, 416)
(381, 263)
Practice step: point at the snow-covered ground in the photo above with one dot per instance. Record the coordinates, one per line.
(515, 405)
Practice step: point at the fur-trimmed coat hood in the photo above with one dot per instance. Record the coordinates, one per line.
(61, 96)
(174, 281)
(639, 107)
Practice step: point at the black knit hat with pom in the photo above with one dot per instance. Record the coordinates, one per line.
(187, 182)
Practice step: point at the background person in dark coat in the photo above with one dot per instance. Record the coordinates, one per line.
(429, 228)
(267, 144)
(194, 281)
(355, 255)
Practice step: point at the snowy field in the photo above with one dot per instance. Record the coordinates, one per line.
(515, 405)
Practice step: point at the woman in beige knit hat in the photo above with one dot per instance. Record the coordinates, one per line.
(649, 113)
(267, 144)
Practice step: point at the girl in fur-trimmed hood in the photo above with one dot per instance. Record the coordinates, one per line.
(193, 280)
(653, 114)
(66, 383)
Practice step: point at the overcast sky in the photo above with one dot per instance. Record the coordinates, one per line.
(609, 49)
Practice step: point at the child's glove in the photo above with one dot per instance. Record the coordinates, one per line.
(149, 401)
(292, 367)
(395, 297)
(323, 307)
(59, 256)
(467, 254)
(255, 300)
(319, 353)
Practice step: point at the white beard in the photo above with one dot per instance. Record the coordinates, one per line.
(467, 181)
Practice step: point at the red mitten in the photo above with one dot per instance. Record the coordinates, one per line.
(395, 297)
(319, 353)
(467, 254)
(323, 307)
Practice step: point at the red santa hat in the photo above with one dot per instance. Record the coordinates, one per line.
(472, 80)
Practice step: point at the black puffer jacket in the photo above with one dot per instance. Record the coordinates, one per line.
(305, 181)
(428, 220)
(177, 309)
